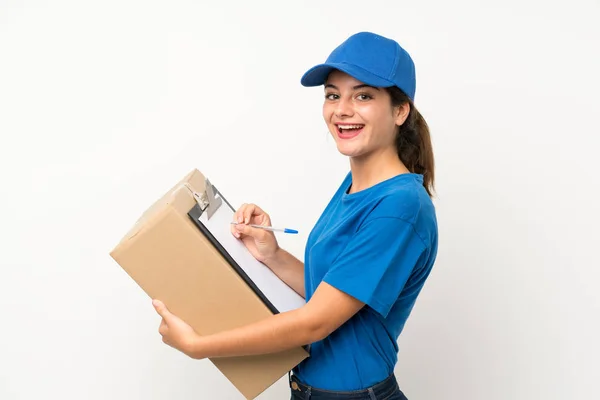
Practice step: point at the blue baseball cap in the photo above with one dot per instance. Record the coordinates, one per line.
(370, 58)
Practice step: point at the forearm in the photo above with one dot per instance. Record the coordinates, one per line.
(289, 269)
(274, 334)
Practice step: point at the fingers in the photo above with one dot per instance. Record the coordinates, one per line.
(258, 234)
(235, 232)
(163, 328)
(239, 214)
(245, 213)
(251, 211)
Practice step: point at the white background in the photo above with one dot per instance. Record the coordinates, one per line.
(105, 105)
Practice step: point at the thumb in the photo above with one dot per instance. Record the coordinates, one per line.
(161, 309)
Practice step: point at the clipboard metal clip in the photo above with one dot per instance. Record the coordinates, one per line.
(207, 201)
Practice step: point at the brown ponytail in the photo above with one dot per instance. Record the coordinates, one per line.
(413, 141)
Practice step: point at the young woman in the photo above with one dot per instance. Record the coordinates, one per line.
(371, 250)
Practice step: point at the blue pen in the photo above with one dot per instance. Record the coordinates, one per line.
(269, 228)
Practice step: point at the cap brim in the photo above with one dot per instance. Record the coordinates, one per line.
(317, 75)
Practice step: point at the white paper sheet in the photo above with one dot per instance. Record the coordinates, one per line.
(278, 292)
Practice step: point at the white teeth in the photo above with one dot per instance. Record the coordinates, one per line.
(350, 126)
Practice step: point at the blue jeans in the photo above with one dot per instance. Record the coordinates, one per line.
(385, 390)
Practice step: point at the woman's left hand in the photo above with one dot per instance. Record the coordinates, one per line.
(175, 332)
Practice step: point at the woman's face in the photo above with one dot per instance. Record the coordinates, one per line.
(360, 118)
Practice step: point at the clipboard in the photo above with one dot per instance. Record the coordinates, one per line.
(174, 257)
(274, 293)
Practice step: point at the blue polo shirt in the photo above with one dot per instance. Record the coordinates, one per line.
(378, 245)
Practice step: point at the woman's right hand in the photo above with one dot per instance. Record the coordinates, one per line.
(259, 242)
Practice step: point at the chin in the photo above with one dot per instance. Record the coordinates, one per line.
(348, 151)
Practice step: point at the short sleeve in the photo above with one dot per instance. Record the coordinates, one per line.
(377, 262)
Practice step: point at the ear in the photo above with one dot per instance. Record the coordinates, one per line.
(401, 113)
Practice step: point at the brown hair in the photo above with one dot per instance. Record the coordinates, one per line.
(413, 141)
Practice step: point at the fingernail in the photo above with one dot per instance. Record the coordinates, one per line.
(246, 220)
(240, 219)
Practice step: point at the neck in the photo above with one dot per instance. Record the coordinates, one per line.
(371, 169)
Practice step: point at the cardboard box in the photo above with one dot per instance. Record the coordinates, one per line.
(170, 259)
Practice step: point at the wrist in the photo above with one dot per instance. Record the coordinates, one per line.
(198, 348)
(273, 259)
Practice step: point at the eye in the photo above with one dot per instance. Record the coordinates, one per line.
(331, 96)
(364, 97)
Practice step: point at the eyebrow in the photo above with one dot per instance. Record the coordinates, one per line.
(329, 85)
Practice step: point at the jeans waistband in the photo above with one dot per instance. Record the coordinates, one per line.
(378, 391)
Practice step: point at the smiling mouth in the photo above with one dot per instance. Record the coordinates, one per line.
(349, 131)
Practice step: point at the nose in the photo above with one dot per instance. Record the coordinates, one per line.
(343, 108)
